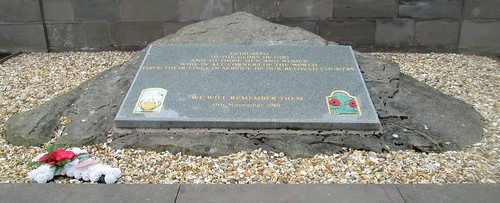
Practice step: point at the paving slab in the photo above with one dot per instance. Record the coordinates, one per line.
(87, 193)
(450, 193)
(288, 193)
(407, 193)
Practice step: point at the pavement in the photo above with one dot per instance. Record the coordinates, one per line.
(310, 193)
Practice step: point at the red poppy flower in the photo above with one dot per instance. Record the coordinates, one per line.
(334, 102)
(56, 153)
(51, 163)
(66, 155)
(352, 103)
(61, 155)
(43, 158)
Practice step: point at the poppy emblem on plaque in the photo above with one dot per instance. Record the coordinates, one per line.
(341, 103)
(151, 100)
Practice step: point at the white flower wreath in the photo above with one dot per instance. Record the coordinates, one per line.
(79, 167)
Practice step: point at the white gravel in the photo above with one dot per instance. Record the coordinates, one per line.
(31, 79)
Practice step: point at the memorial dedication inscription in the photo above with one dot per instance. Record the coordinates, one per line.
(256, 87)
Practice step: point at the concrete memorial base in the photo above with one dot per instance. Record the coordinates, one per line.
(409, 119)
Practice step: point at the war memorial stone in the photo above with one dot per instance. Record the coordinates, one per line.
(254, 87)
(410, 117)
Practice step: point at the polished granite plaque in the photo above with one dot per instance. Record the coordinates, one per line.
(254, 87)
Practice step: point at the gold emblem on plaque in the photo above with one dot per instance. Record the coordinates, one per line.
(341, 103)
(150, 100)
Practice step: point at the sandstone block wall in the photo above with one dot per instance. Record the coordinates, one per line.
(469, 26)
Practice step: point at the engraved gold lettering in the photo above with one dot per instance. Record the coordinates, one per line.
(243, 64)
(216, 97)
(188, 64)
(337, 69)
(281, 57)
(246, 61)
(305, 64)
(273, 105)
(251, 98)
(230, 60)
(218, 105)
(250, 53)
(302, 69)
(198, 68)
(292, 98)
(248, 57)
(294, 61)
(245, 105)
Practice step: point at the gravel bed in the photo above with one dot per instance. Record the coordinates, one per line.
(31, 79)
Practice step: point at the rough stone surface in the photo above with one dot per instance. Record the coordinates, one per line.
(172, 27)
(441, 127)
(406, 107)
(306, 25)
(244, 29)
(98, 101)
(267, 9)
(36, 126)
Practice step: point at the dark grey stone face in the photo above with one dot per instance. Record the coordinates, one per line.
(214, 86)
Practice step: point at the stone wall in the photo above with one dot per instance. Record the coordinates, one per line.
(469, 26)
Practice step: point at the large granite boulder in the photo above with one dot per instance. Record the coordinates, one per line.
(413, 115)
